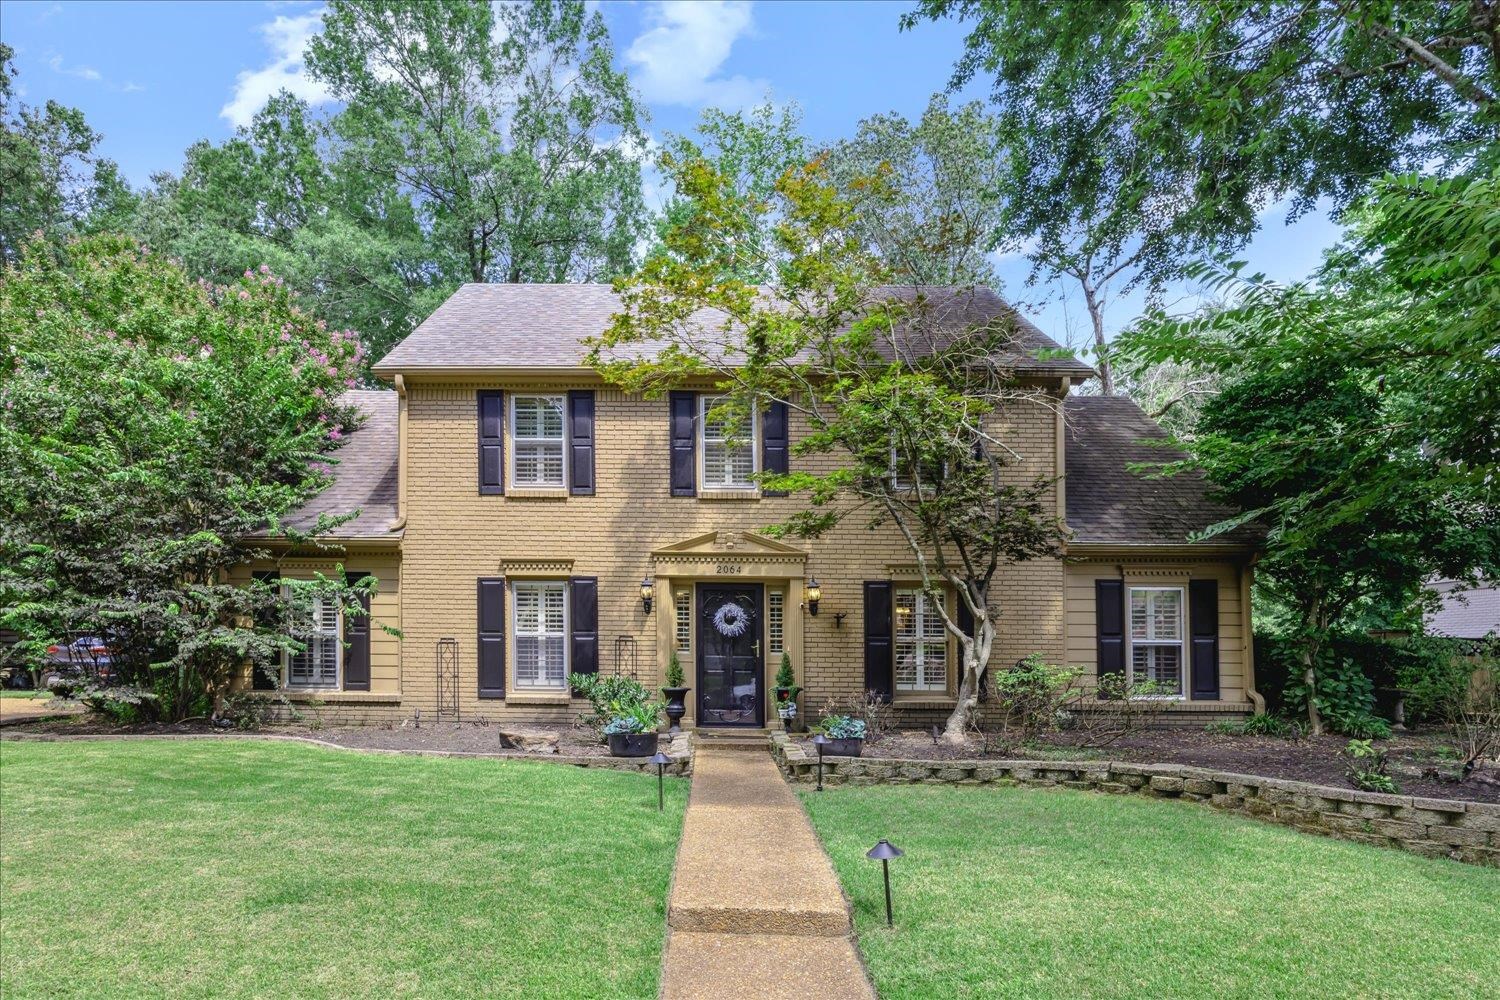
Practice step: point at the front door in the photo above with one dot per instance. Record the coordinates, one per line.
(729, 656)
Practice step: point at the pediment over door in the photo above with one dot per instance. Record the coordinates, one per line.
(730, 553)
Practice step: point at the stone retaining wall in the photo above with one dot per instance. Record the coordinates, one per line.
(1436, 828)
(680, 749)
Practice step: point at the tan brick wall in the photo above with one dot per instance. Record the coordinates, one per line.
(453, 536)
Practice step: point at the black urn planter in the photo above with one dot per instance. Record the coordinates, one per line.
(851, 747)
(632, 744)
(676, 708)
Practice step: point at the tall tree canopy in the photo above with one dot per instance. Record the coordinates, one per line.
(509, 123)
(150, 426)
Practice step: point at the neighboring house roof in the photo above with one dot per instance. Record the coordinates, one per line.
(1464, 614)
(365, 476)
(1107, 503)
(544, 326)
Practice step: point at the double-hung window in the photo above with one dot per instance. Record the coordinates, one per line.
(1156, 638)
(539, 624)
(921, 643)
(317, 666)
(536, 424)
(728, 449)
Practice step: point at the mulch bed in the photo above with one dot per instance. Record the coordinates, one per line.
(465, 737)
(1316, 761)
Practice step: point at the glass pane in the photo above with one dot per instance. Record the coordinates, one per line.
(906, 665)
(1159, 664)
(906, 614)
(538, 417)
(1156, 614)
(528, 609)
(553, 621)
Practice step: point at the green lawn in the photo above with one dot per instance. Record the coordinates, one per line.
(27, 693)
(1054, 893)
(255, 869)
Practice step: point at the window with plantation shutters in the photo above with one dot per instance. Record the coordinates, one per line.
(921, 643)
(317, 666)
(683, 626)
(728, 448)
(776, 622)
(537, 444)
(539, 625)
(1156, 638)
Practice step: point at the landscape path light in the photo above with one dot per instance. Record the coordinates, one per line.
(820, 741)
(661, 761)
(884, 852)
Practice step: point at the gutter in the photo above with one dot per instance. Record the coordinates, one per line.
(399, 523)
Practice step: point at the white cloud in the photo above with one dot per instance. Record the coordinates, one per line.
(287, 38)
(678, 58)
(82, 72)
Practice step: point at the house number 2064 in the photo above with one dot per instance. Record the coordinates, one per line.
(725, 568)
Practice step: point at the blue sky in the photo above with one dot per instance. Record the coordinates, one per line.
(154, 77)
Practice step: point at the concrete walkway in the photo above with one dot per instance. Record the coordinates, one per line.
(756, 910)
(14, 710)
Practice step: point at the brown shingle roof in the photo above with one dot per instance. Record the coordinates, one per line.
(365, 476)
(543, 326)
(1109, 504)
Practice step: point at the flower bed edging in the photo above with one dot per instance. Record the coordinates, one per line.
(680, 749)
(1435, 828)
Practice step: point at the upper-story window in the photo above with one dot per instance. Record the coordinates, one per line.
(728, 449)
(536, 424)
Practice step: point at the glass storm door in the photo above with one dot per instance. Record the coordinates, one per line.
(729, 655)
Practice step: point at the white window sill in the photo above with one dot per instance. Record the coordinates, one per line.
(538, 492)
(334, 695)
(539, 696)
(730, 493)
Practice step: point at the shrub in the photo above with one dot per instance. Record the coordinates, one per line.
(609, 697)
(1368, 768)
(644, 717)
(675, 678)
(1121, 707)
(1358, 725)
(878, 715)
(1474, 722)
(121, 704)
(1030, 698)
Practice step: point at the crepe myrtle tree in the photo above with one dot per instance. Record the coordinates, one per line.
(153, 431)
(900, 401)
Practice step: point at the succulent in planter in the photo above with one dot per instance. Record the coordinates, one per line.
(631, 732)
(846, 735)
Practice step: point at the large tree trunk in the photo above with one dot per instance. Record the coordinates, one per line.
(976, 653)
(1314, 625)
(1101, 349)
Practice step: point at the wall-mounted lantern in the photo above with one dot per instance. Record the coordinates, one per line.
(647, 591)
(814, 595)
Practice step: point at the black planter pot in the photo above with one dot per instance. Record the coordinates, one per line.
(783, 694)
(844, 748)
(676, 708)
(632, 744)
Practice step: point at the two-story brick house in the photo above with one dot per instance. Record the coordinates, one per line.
(527, 522)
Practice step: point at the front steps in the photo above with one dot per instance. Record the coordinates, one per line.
(732, 738)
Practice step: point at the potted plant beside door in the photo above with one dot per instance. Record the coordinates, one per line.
(786, 692)
(632, 731)
(676, 695)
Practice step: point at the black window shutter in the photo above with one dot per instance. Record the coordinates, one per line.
(1109, 625)
(1203, 605)
(775, 443)
(357, 644)
(684, 406)
(964, 618)
(491, 637)
(879, 649)
(265, 676)
(581, 442)
(583, 623)
(491, 408)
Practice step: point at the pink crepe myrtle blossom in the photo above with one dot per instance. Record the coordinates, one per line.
(334, 434)
(244, 295)
(322, 468)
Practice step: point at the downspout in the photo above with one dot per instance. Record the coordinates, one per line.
(400, 522)
(1247, 580)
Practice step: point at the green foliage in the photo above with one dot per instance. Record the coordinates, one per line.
(610, 697)
(1031, 697)
(841, 727)
(150, 427)
(785, 678)
(675, 678)
(633, 717)
(1368, 768)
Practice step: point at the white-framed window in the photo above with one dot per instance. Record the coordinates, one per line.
(317, 666)
(921, 643)
(536, 441)
(539, 631)
(776, 622)
(1156, 638)
(683, 605)
(727, 451)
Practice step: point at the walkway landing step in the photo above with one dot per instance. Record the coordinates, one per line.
(734, 966)
(752, 740)
(749, 862)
